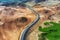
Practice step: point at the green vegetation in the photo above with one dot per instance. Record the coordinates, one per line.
(42, 36)
(51, 32)
(46, 23)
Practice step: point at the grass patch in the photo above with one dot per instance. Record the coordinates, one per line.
(50, 32)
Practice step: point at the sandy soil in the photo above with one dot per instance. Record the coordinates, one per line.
(33, 35)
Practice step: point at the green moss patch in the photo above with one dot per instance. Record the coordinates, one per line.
(51, 32)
